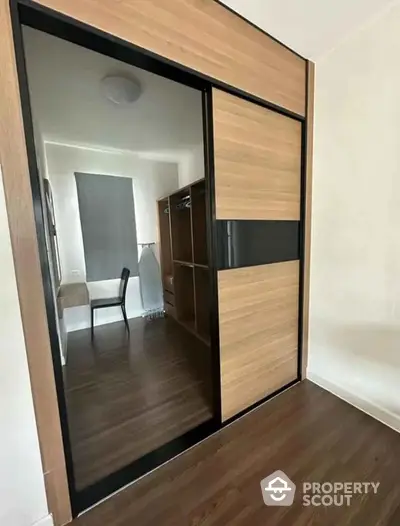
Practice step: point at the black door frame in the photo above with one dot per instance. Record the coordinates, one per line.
(27, 12)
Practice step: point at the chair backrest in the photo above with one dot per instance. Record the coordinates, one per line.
(124, 283)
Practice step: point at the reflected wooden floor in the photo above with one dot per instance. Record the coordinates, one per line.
(308, 433)
(128, 396)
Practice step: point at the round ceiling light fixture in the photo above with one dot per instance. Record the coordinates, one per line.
(121, 90)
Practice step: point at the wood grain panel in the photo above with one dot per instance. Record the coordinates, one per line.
(257, 161)
(307, 225)
(28, 274)
(258, 317)
(204, 36)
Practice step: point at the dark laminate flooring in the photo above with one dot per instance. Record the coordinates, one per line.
(127, 397)
(306, 432)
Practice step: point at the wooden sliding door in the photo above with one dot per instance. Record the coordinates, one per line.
(258, 308)
(257, 187)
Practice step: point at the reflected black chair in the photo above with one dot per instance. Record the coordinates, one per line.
(113, 302)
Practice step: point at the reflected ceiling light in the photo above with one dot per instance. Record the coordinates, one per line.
(121, 90)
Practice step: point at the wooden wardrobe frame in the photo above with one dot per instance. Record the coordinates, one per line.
(18, 162)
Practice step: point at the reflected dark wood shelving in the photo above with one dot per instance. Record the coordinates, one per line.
(185, 294)
(185, 263)
(191, 327)
(165, 244)
(181, 231)
(188, 324)
(188, 264)
(199, 223)
(183, 241)
(205, 338)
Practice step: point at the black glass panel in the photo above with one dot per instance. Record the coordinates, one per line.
(244, 243)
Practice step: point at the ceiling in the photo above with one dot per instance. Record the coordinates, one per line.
(69, 107)
(310, 27)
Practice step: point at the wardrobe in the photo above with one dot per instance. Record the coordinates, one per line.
(249, 288)
(184, 259)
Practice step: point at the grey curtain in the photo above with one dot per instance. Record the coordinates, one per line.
(107, 214)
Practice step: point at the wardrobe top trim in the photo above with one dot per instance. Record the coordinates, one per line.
(258, 28)
(59, 25)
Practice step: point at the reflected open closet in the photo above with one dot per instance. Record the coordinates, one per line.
(121, 154)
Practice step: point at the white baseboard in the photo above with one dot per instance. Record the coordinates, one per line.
(46, 521)
(367, 406)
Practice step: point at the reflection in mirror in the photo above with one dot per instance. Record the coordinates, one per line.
(125, 162)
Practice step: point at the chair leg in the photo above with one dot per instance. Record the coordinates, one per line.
(125, 318)
(92, 322)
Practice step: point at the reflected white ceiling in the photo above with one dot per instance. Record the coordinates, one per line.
(310, 27)
(68, 104)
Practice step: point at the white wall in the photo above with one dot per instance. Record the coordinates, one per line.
(22, 492)
(191, 167)
(310, 27)
(151, 180)
(355, 253)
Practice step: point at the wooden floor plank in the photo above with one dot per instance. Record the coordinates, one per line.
(129, 396)
(308, 433)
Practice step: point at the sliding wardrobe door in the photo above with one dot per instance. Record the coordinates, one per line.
(257, 188)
